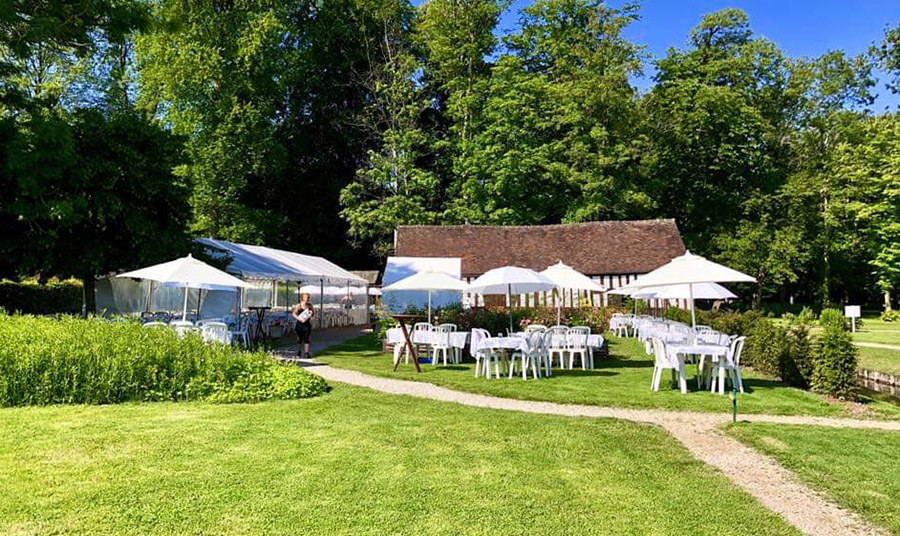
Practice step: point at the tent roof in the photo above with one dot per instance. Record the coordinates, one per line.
(260, 262)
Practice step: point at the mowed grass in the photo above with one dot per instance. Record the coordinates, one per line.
(877, 331)
(880, 359)
(353, 462)
(623, 380)
(860, 469)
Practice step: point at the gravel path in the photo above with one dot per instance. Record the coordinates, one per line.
(761, 476)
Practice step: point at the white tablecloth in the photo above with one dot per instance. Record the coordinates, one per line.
(514, 343)
(457, 339)
(676, 350)
(593, 340)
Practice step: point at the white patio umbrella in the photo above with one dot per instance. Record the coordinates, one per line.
(567, 277)
(187, 272)
(689, 270)
(510, 280)
(429, 281)
(700, 291)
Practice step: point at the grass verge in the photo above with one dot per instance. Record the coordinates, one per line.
(859, 469)
(353, 462)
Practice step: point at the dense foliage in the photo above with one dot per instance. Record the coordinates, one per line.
(31, 297)
(834, 370)
(781, 352)
(303, 124)
(74, 361)
(496, 319)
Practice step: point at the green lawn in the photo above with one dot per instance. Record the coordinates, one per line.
(874, 330)
(860, 469)
(880, 359)
(622, 380)
(353, 462)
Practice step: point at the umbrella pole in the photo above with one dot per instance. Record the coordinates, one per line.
(509, 305)
(691, 294)
(558, 307)
(184, 311)
(429, 307)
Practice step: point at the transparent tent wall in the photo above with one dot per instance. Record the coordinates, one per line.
(123, 296)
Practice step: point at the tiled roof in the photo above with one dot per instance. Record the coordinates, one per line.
(594, 248)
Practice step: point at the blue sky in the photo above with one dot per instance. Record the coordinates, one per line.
(800, 27)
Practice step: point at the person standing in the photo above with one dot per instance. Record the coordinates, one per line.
(303, 313)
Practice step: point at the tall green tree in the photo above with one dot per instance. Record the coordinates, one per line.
(716, 120)
(212, 71)
(95, 194)
(867, 171)
(555, 139)
(391, 188)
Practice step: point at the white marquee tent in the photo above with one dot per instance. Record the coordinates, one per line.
(276, 278)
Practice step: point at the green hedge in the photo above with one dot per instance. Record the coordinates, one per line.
(782, 352)
(835, 367)
(75, 361)
(730, 322)
(496, 319)
(30, 297)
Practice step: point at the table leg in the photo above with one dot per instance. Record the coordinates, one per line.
(409, 346)
(721, 380)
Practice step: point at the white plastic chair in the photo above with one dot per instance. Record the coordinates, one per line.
(441, 344)
(242, 332)
(455, 352)
(215, 332)
(558, 344)
(535, 328)
(182, 326)
(730, 364)
(577, 338)
(155, 325)
(482, 357)
(662, 362)
(531, 358)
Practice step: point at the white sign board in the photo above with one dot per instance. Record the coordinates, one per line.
(852, 311)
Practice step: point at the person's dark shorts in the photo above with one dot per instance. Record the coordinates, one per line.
(303, 329)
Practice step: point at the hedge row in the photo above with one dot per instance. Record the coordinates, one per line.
(826, 364)
(75, 361)
(30, 297)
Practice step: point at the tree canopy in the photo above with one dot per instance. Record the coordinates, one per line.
(321, 126)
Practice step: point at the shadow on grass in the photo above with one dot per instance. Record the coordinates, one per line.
(615, 362)
(575, 373)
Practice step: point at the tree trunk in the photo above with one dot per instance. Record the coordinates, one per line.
(89, 298)
(887, 300)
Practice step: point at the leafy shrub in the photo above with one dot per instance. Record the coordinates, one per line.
(835, 363)
(30, 297)
(890, 316)
(780, 352)
(74, 361)
(383, 324)
(496, 319)
(733, 322)
(797, 370)
(766, 347)
(832, 317)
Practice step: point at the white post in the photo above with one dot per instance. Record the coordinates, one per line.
(429, 307)
(184, 311)
(558, 309)
(509, 304)
(321, 302)
(691, 294)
